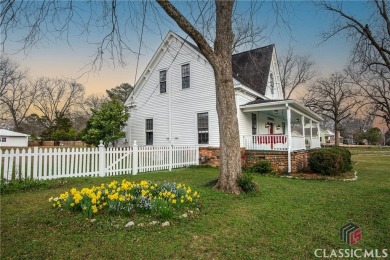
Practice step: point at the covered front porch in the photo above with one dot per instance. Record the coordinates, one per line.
(279, 125)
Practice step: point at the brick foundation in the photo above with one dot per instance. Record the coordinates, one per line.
(279, 159)
(210, 156)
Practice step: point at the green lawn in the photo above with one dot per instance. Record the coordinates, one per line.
(289, 219)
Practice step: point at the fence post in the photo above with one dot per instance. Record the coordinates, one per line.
(102, 159)
(35, 163)
(197, 155)
(135, 158)
(170, 159)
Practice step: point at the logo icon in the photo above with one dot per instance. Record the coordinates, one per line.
(351, 233)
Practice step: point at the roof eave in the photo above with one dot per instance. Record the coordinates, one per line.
(282, 105)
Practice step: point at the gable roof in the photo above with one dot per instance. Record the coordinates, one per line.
(5, 132)
(251, 68)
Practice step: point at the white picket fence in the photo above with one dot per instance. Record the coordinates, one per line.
(49, 163)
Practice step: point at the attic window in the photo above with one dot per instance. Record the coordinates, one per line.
(185, 76)
(163, 81)
(271, 82)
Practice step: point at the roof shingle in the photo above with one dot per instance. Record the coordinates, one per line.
(252, 68)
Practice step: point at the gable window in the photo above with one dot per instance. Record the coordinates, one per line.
(149, 131)
(163, 81)
(271, 82)
(203, 128)
(254, 124)
(185, 76)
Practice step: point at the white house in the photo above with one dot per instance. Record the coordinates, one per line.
(174, 101)
(327, 136)
(13, 139)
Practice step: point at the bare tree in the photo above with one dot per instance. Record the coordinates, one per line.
(10, 72)
(295, 70)
(333, 98)
(375, 88)
(370, 60)
(93, 102)
(56, 97)
(17, 92)
(210, 25)
(82, 113)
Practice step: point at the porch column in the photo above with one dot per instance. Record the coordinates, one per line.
(303, 131)
(289, 139)
(318, 134)
(311, 133)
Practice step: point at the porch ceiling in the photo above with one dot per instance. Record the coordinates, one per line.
(270, 106)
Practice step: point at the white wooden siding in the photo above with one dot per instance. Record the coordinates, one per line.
(244, 119)
(185, 103)
(277, 83)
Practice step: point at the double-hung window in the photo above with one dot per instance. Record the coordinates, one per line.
(149, 131)
(203, 128)
(3, 139)
(163, 81)
(185, 76)
(254, 124)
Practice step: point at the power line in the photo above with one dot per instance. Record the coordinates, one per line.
(140, 42)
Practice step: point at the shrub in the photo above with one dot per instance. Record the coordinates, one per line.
(261, 166)
(127, 198)
(330, 161)
(245, 181)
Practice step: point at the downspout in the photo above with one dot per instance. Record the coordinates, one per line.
(289, 139)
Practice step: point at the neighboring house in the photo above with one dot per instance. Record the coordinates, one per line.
(13, 139)
(327, 137)
(174, 101)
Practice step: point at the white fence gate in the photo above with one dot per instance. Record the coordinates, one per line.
(49, 163)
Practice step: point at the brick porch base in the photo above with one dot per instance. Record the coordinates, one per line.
(278, 159)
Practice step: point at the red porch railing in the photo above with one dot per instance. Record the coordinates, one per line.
(265, 142)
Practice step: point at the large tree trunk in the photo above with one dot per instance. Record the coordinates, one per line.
(230, 159)
(336, 134)
(221, 60)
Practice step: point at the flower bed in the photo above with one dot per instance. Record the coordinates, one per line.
(158, 199)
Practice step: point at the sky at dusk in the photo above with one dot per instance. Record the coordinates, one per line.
(58, 58)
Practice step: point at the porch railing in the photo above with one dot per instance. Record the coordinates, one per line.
(265, 142)
(277, 142)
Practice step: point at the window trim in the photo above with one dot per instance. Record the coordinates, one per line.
(208, 127)
(149, 131)
(272, 83)
(166, 77)
(254, 124)
(189, 75)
